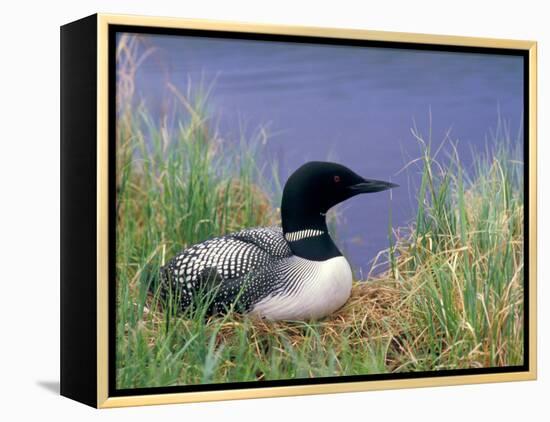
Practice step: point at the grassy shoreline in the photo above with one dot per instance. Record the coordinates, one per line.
(452, 297)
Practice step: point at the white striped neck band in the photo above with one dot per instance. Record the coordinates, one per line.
(303, 234)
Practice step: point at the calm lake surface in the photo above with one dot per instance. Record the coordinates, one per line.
(355, 106)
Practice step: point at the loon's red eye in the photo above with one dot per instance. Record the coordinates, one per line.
(336, 179)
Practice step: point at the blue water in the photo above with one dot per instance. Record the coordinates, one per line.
(352, 105)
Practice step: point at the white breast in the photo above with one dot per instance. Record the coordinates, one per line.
(325, 288)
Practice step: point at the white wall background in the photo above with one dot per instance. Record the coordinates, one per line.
(29, 208)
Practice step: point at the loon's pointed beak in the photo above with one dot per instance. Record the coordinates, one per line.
(370, 185)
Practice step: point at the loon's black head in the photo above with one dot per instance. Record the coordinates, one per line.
(316, 187)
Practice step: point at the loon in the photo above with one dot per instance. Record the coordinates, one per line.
(293, 272)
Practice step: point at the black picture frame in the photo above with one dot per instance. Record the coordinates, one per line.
(88, 305)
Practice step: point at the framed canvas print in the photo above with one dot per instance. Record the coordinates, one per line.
(255, 210)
